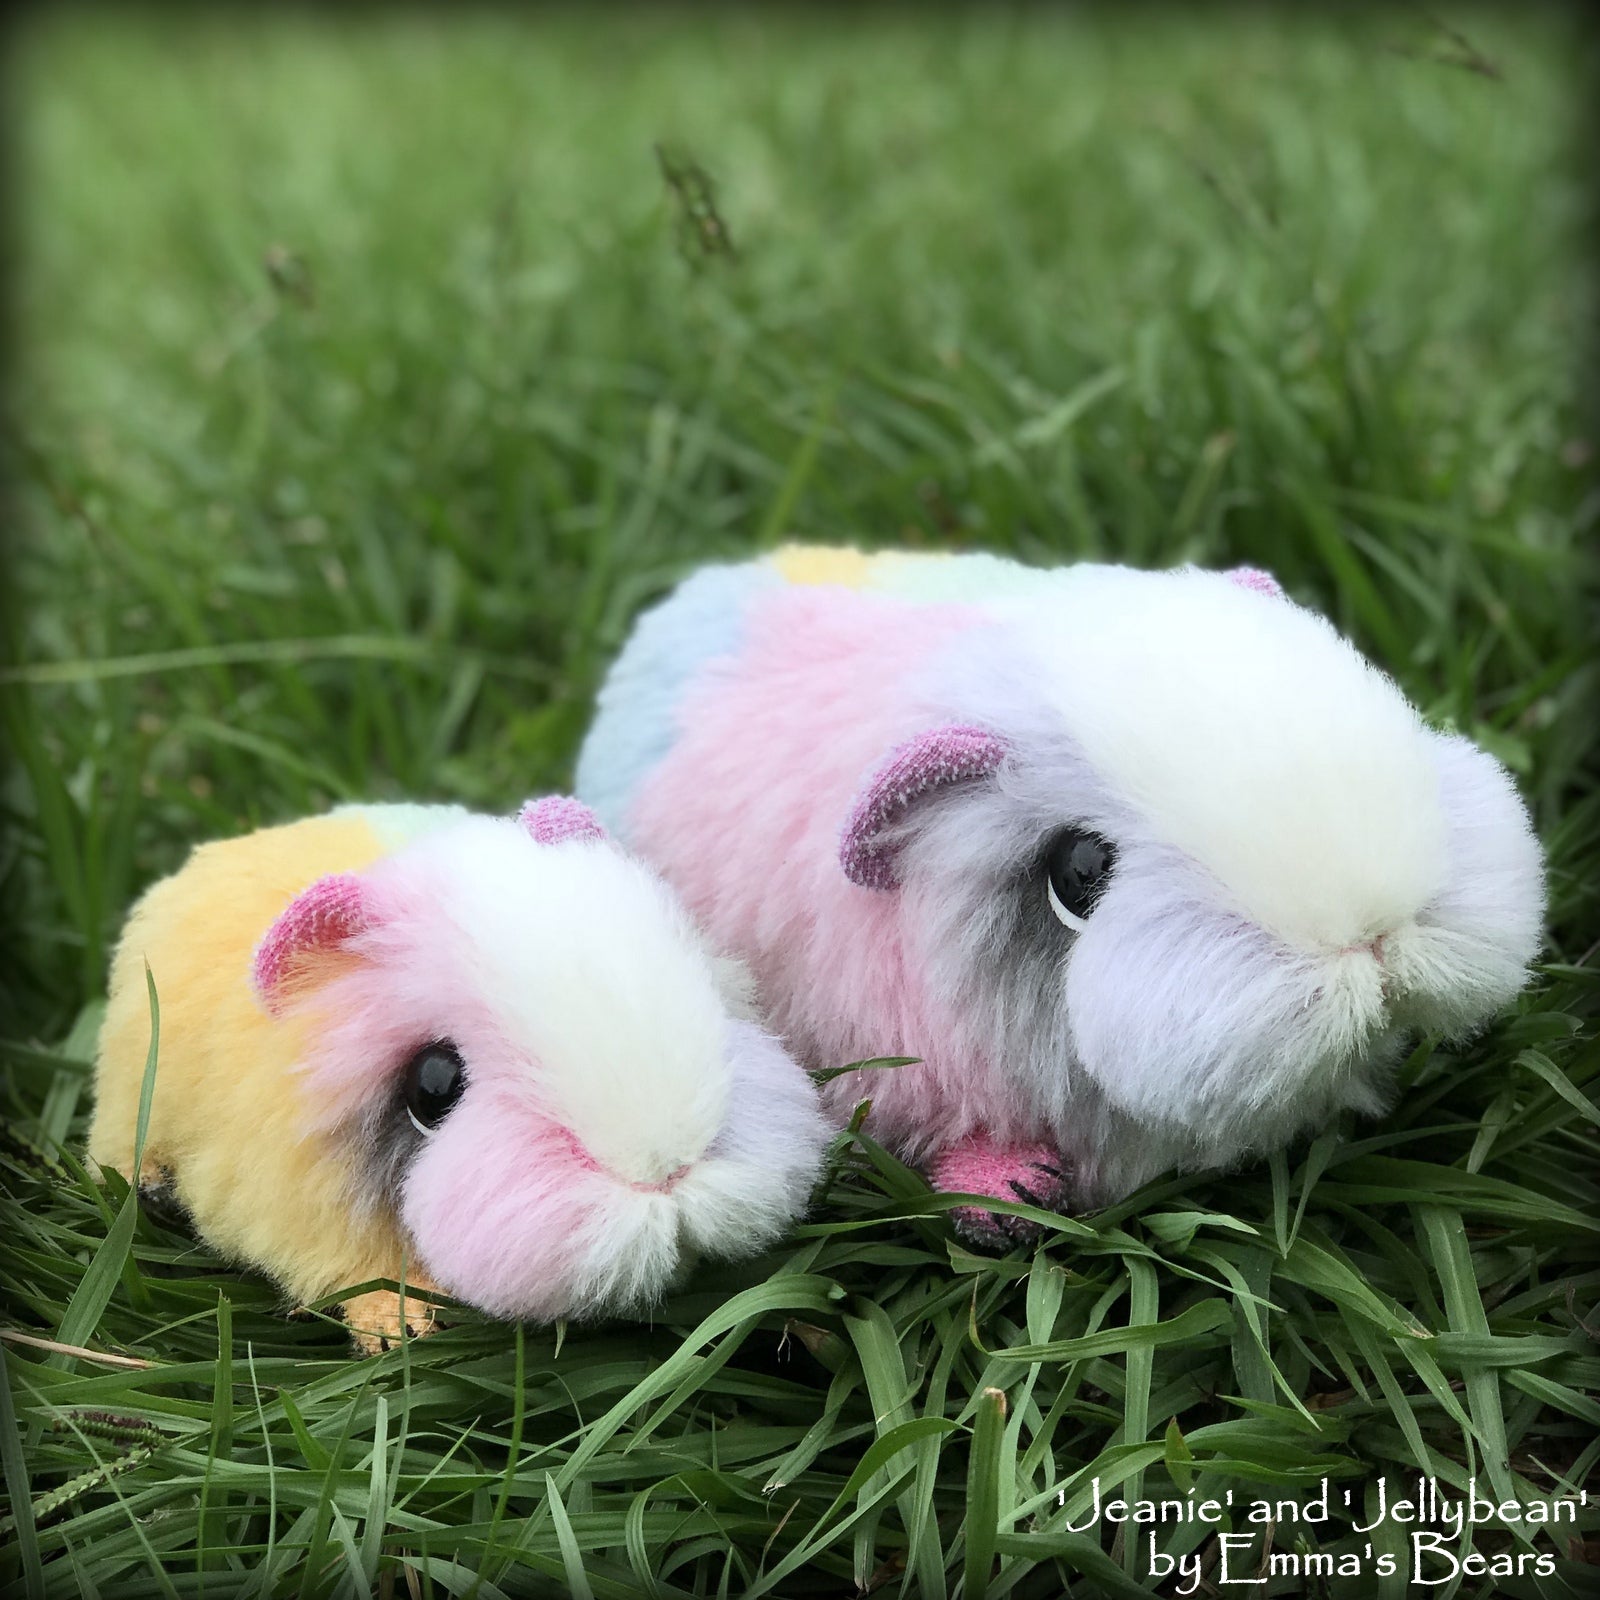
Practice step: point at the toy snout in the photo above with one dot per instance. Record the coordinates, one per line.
(1368, 959)
(664, 1139)
(647, 1177)
(514, 1212)
(530, 1211)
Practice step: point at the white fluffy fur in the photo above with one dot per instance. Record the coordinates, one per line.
(1254, 739)
(629, 1066)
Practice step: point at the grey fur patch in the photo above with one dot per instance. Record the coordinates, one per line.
(383, 1144)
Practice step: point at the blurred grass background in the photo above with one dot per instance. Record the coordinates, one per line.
(369, 372)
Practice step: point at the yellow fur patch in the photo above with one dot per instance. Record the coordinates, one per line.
(228, 1113)
(818, 564)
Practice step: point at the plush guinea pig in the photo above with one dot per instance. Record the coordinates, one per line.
(1150, 869)
(493, 1048)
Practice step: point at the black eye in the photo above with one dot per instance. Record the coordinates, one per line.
(434, 1080)
(1076, 867)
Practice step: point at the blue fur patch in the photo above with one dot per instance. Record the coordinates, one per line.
(636, 719)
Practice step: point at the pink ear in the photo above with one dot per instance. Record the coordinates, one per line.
(1255, 578)
(318, 920)
(932, 759)
(558, 817)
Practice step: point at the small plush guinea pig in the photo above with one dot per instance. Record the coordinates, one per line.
(1150, 869)
(492, 1050)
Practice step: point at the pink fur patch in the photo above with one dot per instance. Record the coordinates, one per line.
(557, 818)
(1254, 578)
(321, 917)
(742, 818)
(940, 756)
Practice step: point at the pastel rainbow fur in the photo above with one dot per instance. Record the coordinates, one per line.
(1305, 872)
(622, 1115)
(219, 1109)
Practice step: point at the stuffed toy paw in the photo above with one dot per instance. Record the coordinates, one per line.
(978, 1165)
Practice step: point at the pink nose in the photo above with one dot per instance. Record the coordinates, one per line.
(1373, 948)
(666, 1185)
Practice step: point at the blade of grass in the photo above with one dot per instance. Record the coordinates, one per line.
(88, 1302)
(983, 1494)
(18, 1487)
(1452, 1262)
(577, 1579)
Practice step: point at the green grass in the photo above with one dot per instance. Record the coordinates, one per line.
(369, 376)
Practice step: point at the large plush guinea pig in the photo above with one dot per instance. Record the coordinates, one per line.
(1150, 869)
(492, 1049)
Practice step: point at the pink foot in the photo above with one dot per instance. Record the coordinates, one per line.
(1031, 1173)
